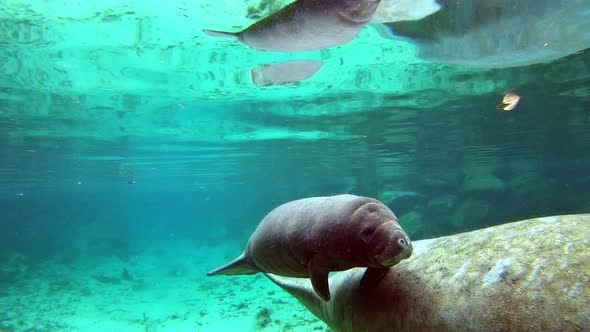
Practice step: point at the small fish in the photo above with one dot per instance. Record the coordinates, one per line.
(287, 72)
(306, 25)
(509, 102)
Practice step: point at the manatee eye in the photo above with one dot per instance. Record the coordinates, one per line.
(366, 234)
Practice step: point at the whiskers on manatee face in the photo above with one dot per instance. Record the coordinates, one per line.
(391, 261)
(390, 245)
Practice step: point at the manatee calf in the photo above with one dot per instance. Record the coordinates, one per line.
(306, 25)
(532, 275)
(311, 237)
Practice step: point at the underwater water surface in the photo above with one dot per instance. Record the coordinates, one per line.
(137, 153)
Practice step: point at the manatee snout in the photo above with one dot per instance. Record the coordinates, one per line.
(390, 244)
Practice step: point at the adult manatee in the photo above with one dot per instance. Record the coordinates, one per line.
(311, 237)
(532, 275)
(498, 33)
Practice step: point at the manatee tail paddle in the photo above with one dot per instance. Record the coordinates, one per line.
(231, 35)
(239, 266)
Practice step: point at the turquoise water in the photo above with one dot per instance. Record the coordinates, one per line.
(131, 141)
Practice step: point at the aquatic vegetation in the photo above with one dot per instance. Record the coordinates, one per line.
(263, 319)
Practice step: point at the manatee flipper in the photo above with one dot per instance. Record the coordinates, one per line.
(372, 277)
(231, 35)
(240, 265)
(318, 273)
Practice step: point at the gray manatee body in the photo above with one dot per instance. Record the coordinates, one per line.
(532, 275)
(311, 237)
(498, 33)
(307, 25)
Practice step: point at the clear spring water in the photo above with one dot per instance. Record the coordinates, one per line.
(124, 128)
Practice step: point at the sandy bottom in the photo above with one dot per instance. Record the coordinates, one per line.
(163, 290)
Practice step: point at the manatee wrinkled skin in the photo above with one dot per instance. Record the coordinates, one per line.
(531, 275)
(313, 236)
